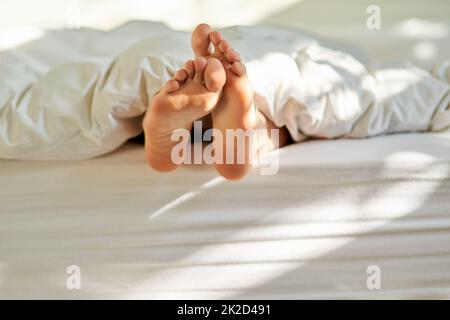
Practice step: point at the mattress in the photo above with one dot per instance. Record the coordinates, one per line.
(317, 229)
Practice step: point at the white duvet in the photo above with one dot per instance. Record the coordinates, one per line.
(80, 94)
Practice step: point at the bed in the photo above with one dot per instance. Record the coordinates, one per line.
(314, 230)
(337, 213)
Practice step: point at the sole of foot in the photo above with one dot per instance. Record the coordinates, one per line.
(235, 109)
(192, 93)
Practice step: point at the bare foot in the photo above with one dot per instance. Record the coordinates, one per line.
(235, 110)
(192, 93)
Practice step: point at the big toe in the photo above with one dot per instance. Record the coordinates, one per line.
(214, 75)
(200, 40)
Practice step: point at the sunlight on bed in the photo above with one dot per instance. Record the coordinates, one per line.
(283, 248)
(186, 197)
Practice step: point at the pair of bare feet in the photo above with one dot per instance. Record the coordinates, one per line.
(214, 83)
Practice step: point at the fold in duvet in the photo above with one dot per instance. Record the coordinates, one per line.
(81, 94)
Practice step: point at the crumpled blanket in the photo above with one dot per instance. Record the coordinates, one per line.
(77, 94)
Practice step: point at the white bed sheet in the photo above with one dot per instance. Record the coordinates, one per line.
(311, 231)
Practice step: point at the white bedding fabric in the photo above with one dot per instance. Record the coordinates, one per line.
(80, 94)
(311, 231)
(335, 208)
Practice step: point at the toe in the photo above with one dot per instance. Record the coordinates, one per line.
(189, 67)
(215, 37)
(200, 40)
(232, 56)
(172, 86)
(215, 76)
(181, 75)
(224, 46)
(199, 64)
(238, 68)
